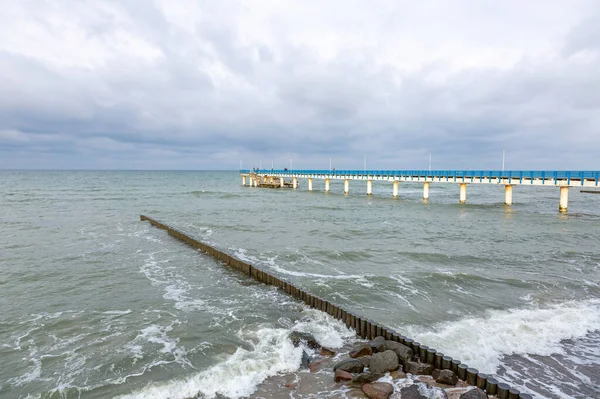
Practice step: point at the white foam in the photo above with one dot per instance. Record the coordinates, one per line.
(271, 353)
(481, 342)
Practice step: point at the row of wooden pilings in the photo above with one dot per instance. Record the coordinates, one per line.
(364, 327)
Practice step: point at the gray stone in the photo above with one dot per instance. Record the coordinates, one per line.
(403, 352)
(411, 392)
(361, 350)
(383, 361)
(416, 368)
(475, 393)
(377, 344)
(350, 365)
(369, 377)
(444, 377)
(366, 360)
(298, 337)
(305, 360)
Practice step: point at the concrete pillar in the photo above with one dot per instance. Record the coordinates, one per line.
(251, 181)
(309, 184)
(463, 193)
(326, 185)
(564, 199)
(395, 190)
(508, 194)
(346, 186)
(281, 182)
(369, 187)
(295, 183)
(255, 182)
(243, 180)
(426, 190)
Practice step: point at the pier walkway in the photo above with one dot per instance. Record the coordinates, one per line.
(508, 178)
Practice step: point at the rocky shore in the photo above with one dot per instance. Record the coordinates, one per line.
(378, 369)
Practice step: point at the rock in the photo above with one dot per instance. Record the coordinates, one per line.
(378, 390)
(403, 352)
(397, 375)
(297, 337)
(432, 392)
(377, 344)
(418, 368)
(341, 375)
(383, 361)
(411, 392)
(362, 350)
(350, 365)
(445, 377)
(366, 378)
(305, 360)
(327, 352)
(475, 393)
(366, 360)
(291, 385)
(315, 366)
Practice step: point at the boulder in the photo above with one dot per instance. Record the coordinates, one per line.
(444, 377)
(305, 360)
(383, 361)
(315, 366)
(378, 390)
(366, 360)
(297, 337)
(327, 352)
(397, 375)
(366, 378)
(411, 392)
(403, 352)
(341, 375)
(362, 350)
(418, 368)
(350, 365)
(475, 393)
(432, 392)
(377, 344)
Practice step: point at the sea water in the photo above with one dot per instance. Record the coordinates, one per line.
(96, 304)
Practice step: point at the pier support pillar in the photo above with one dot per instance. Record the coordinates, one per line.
(309, 184)
(326, 185)
(281, 182)
(564, 199)
(395, 190)
(426, 191)
(463, 193)
(255, 182)
(243, 180)
(250, 181)
(369, 187)
(295, 183)
(346, 186)
(508, 194)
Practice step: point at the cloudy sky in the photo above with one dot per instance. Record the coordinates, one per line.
(189, 84)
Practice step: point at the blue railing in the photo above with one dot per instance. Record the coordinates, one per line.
(479, 175)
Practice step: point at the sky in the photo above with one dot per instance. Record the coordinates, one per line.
(141, 84)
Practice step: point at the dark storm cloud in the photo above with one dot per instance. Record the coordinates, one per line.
(203, 85)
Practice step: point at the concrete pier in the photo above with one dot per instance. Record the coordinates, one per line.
(508, 190)
(295, 183)
(564, 199)
(463, 193)
(281, 182)
(541, 178)
(243, 180)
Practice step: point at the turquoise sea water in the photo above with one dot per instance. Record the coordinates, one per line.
(95, 303)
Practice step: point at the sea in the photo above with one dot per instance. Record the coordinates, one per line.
(95, 303)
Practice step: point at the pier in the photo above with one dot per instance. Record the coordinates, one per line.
(562, 180)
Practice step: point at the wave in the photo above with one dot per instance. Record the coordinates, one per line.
(482, 342)
(270, 353)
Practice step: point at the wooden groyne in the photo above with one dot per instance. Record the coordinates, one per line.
(364, 327)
